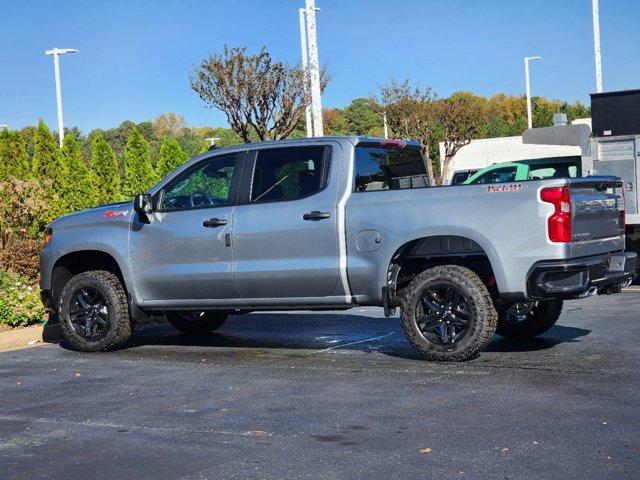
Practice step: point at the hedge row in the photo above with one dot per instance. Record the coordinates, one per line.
(55, 181)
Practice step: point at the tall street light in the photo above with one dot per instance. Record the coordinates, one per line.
(596, 45)
(305, 67)
(314, 69)
(56, 52)
(526, 74)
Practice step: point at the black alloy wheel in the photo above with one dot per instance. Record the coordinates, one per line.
(94, 312)
(89, 313)
(443, 314)
(519, 311)
(447, 313)
(526, 320)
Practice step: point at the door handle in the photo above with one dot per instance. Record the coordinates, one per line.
(214, 222)
(316, 215)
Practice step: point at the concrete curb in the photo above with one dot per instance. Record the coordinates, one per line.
(28, 336)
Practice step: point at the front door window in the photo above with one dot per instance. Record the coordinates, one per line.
(207, 185)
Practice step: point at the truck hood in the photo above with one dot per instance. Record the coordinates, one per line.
(93, 215)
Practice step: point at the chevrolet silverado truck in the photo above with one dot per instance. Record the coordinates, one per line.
(333, 223)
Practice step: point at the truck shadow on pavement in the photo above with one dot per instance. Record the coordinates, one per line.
(304, 334)
(555, 336)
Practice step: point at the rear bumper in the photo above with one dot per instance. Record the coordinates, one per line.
(581, 277)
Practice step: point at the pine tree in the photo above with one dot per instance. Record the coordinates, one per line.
(104, 171)
(171, 157)
(49, 168)
(80, 193)
(139, 174)
(13, 156)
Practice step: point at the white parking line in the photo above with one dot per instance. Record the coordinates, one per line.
(354, 343)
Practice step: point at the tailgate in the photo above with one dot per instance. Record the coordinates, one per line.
(597, 209)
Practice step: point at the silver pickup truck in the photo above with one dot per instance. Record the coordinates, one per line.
(333, 223)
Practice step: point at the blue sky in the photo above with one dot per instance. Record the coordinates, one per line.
(136, 55)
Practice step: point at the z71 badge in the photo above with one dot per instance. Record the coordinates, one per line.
(504, 187)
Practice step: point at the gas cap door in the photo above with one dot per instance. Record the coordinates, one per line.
(368, 240)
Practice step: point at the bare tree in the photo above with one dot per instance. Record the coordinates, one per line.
(415, 113)
(257, 94)
(459, 117)
(411, 114)
(168, 124)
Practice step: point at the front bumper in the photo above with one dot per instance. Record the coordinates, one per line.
(47, 300)
(581, 277)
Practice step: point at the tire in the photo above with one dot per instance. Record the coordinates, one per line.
(524, 321)
(445, 326)
(196, 322)
(94, 312)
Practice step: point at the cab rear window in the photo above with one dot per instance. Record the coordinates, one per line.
(380, 168)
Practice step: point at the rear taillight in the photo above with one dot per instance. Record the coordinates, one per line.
(560, 221)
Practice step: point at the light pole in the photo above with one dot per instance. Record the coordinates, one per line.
(384, 122)
(314, 69)
(596, 45)
(305, 68)
(526, 74)
(56, 52)
(212, 141)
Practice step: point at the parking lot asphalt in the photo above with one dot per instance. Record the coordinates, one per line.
(330, 396)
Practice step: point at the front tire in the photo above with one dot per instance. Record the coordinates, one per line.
(526, 320)
(94, 312)
(448, 314)
(196, 322)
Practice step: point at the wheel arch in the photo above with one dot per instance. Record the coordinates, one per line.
(467, 249)
(79, 261)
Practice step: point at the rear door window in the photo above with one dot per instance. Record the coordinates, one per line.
(288, 173)
(382, 168)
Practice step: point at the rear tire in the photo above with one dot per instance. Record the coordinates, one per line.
(524, 321)
(94, 312)
(448, 314)
(192, 322)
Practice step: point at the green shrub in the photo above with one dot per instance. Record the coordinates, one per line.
(20, 303)
(171, 157)
(13, 155)
(26, 207)
(105, 173)
(80, 194)
(21, 256)
(139, 175)
(48, 167)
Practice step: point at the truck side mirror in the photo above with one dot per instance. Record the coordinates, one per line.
(143, 204)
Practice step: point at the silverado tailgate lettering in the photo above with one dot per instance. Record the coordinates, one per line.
(504, 187)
